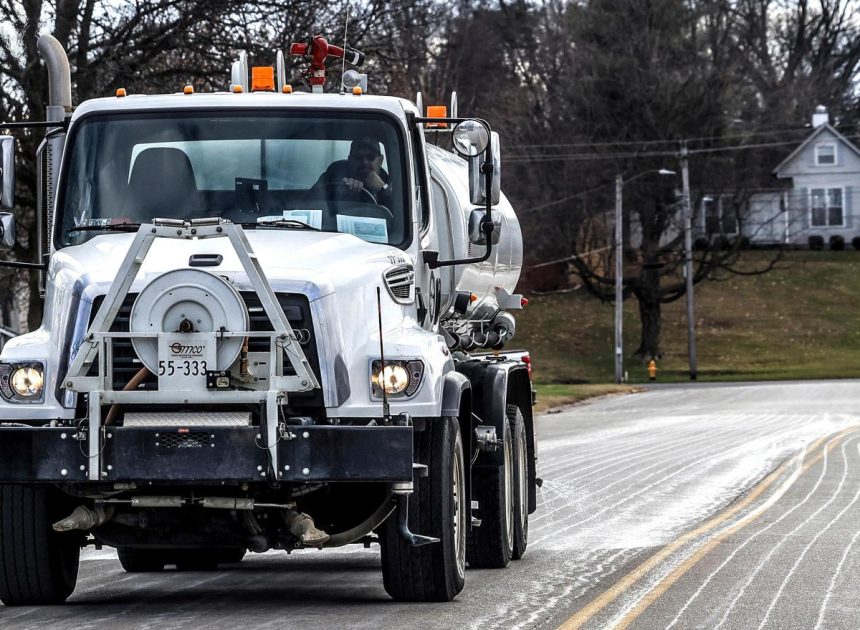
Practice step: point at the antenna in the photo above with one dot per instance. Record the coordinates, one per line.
(343, 62)
(385, 409)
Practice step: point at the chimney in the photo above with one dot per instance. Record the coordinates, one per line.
(820, 117)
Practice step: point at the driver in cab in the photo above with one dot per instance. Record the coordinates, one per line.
(361, 171)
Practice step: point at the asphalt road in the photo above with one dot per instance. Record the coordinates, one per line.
(683, 507)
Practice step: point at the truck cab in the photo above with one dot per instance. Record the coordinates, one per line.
(259, 312)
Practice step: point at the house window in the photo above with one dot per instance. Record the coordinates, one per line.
(721, 216)
(825, 154)
(826, 205)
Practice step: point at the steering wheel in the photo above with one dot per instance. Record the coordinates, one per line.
(359, 193)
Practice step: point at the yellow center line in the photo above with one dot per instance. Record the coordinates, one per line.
(585, 614)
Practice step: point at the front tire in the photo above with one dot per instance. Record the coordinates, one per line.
(37, 564)
(434, 572)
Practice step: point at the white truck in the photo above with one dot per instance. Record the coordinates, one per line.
(237, 354)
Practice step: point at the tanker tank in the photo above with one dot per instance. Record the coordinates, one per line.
(493, 281)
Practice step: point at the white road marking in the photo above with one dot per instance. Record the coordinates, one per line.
(797, 562)
(830, 587)
(739, 548)
(662, 571)
(752, 447)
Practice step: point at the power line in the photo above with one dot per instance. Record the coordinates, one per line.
(574, 157)
(563, 199)
(653, 142)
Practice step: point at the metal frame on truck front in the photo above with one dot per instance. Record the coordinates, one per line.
(97, 343)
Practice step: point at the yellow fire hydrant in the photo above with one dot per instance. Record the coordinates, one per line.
(652, 369)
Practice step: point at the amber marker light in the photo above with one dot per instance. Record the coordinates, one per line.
(237, 89)
(262, 79)
(188, 89)
(437, 111)
(120, 92)
(287, 89)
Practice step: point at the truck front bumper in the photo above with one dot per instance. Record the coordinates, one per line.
(208, 455)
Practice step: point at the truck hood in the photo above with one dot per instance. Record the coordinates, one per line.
(328, 261)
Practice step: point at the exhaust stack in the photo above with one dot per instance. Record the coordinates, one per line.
(59, 104)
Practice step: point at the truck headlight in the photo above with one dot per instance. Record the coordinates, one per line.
(22, 382)
(399, 378)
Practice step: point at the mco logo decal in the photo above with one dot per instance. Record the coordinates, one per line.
(178, 348)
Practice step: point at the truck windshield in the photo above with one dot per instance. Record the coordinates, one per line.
(337, 174)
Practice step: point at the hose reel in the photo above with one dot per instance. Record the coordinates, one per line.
(185, 301)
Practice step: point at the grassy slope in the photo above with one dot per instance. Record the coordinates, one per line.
(800, 321)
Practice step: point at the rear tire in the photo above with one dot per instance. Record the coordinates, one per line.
(491, 545)
(141, 560)
(37, 564)
(521, 478)
(232, 555)
(196, 559)
(434, 572)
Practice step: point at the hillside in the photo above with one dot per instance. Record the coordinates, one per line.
(797, 322)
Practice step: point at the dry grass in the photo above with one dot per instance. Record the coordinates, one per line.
(558, 395)
(798, 322)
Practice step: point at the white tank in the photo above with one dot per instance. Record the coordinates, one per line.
(498, 275)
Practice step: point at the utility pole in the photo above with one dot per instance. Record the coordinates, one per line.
(619, 283)
(688, 263)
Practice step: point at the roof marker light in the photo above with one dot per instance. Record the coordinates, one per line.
(262, 79)
(437, 111)
(237, 89)
(188, 89)
(357, 90)
(287, 89)
(120, 92)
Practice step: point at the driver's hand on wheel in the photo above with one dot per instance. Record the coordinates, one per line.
(353, 184)
(373, 182)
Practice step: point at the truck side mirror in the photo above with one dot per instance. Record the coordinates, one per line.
(7, 171)
(8, 231)
(477, 183)
(476, 234)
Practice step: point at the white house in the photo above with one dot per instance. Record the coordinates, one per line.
(822, 198)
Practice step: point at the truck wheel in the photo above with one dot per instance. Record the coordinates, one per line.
(141, 560)
(438, 507)
(491, 545)
(37, 564)
(521, 487)
(232, 555)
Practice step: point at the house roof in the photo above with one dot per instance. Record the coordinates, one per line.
(808, 141)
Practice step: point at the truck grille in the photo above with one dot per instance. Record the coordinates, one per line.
(295, 307)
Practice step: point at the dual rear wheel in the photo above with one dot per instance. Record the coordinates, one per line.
(502, 495)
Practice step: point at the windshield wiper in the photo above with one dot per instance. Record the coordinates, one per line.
(290, 224)
(110, 227)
